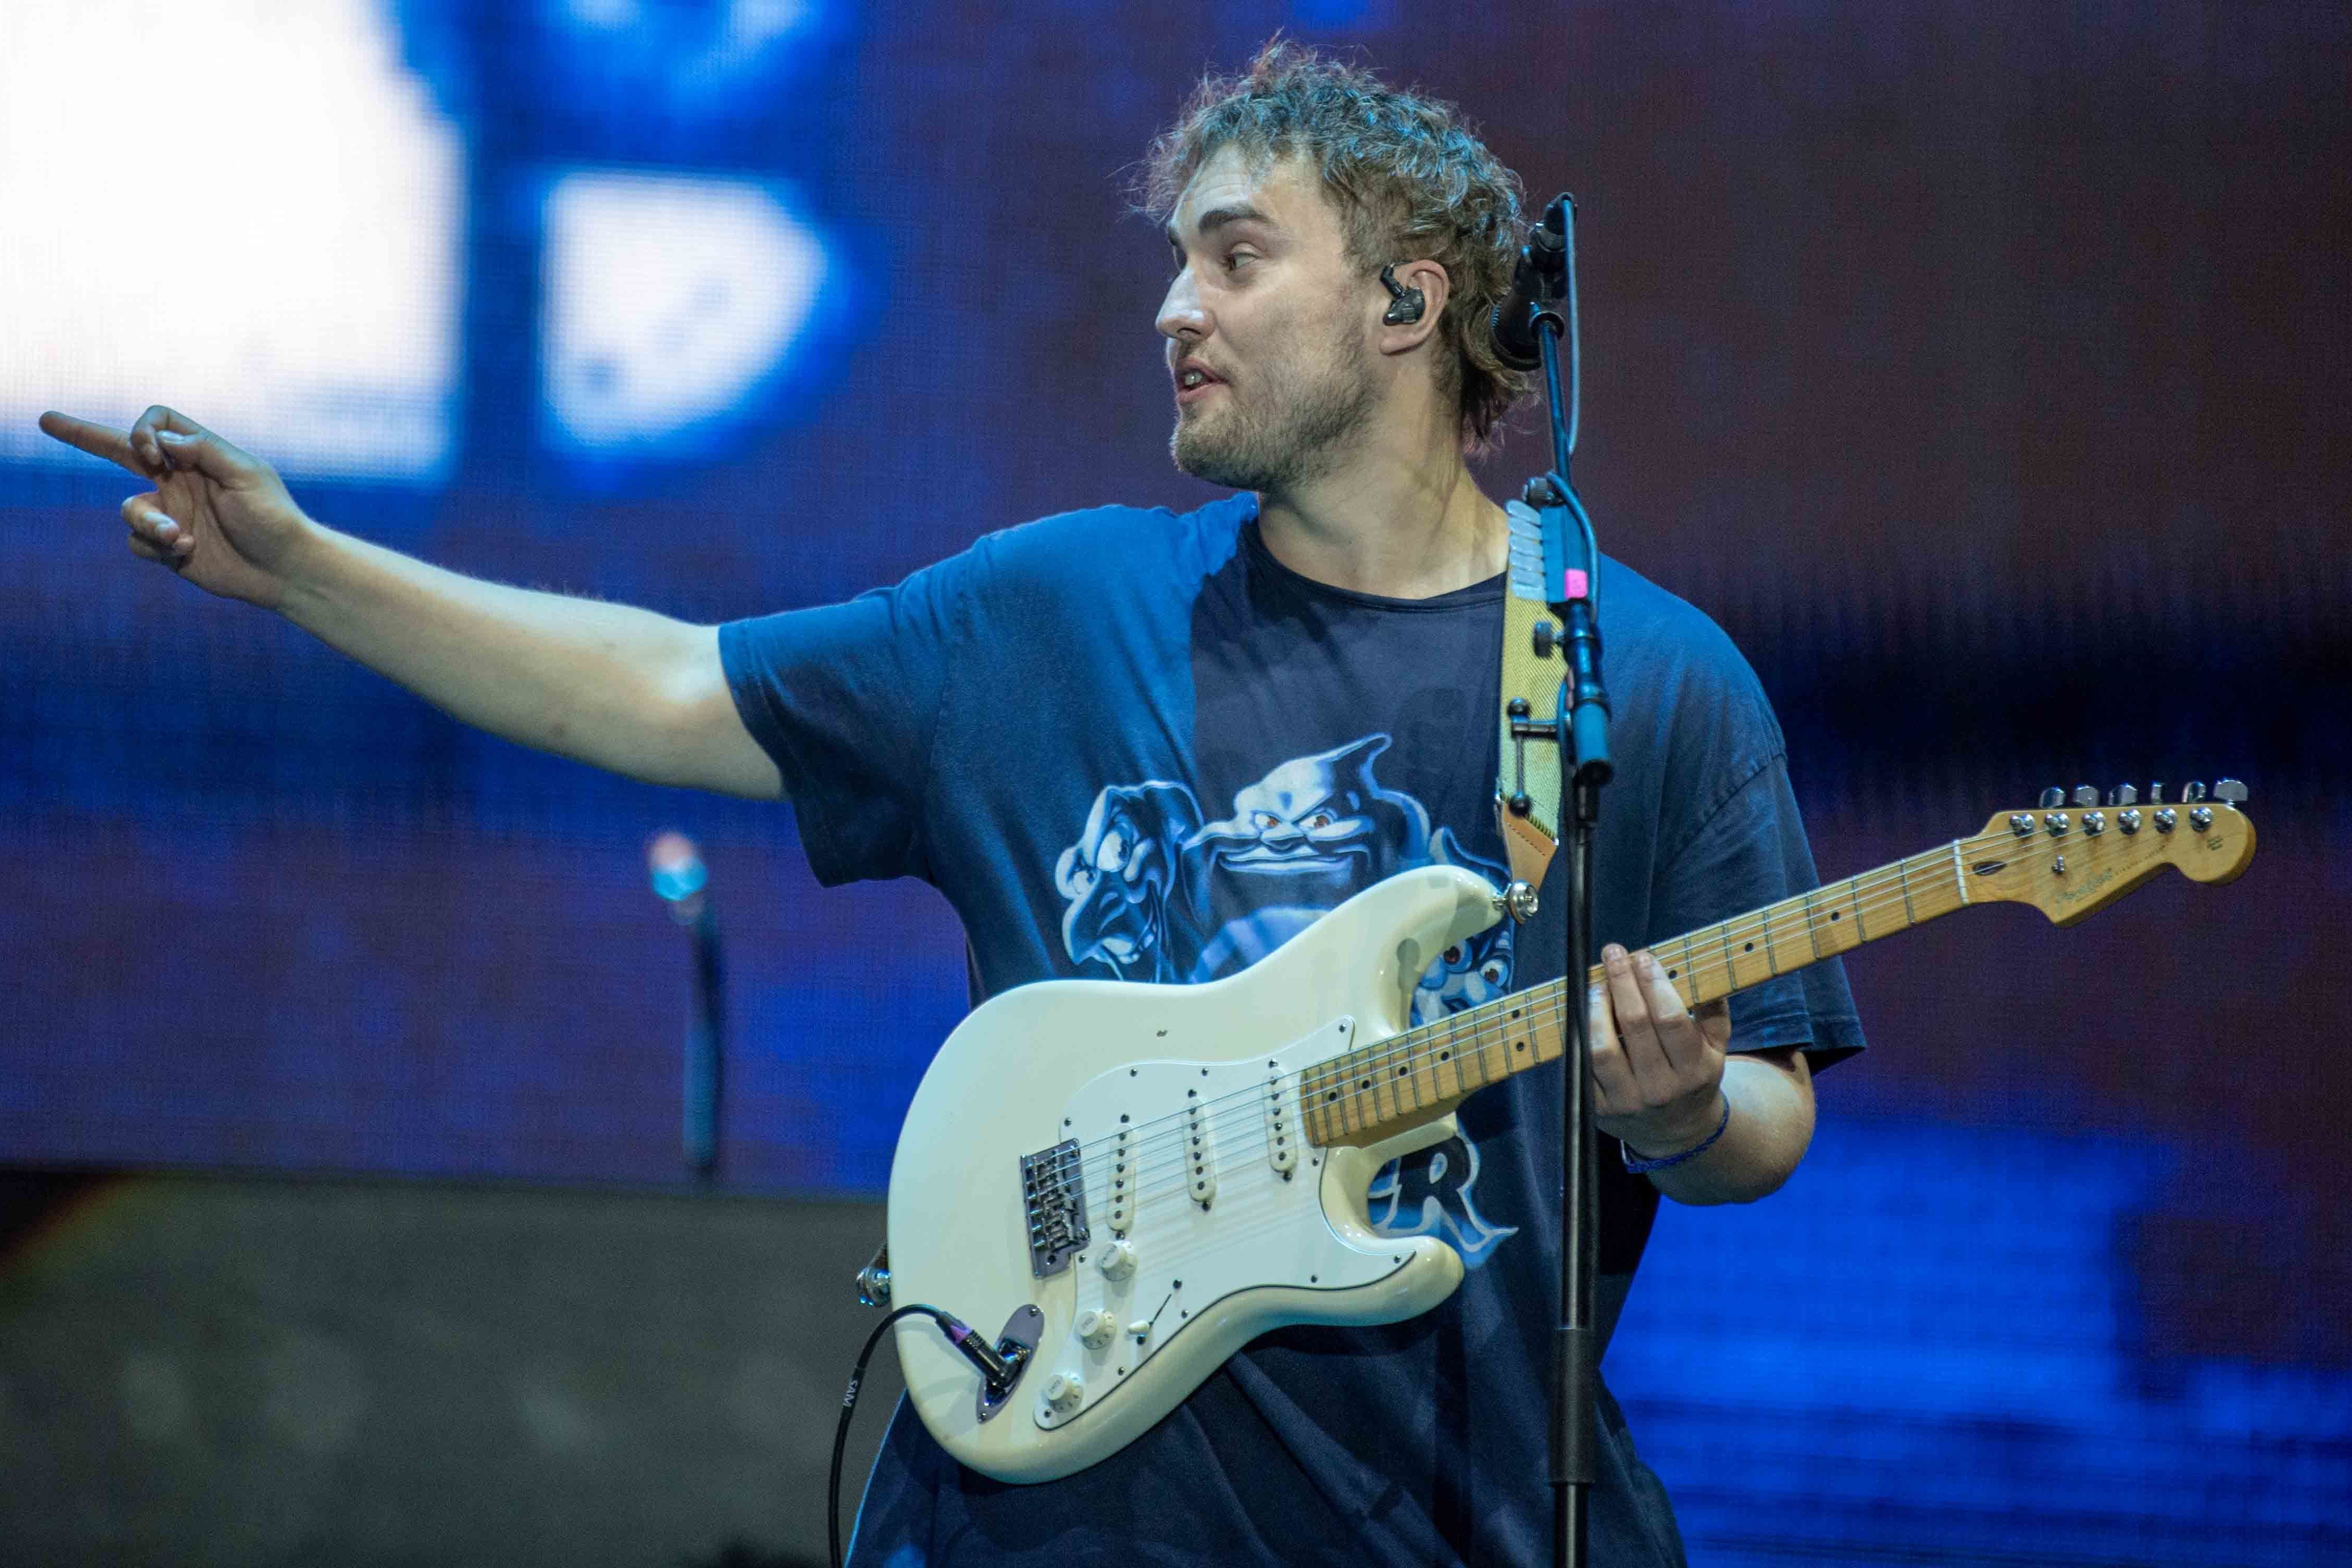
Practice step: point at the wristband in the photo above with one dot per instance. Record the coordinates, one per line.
(1638, 1166)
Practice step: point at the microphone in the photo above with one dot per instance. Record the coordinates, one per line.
(679, 878)
(1539, 278)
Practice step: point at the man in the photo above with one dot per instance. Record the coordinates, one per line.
(1128, 744)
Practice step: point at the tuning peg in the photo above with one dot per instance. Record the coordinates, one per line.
(2156, 795)
(2191, 792)
(2230, 792)
(2123, 795)
(2085, 796)
(2052, 798)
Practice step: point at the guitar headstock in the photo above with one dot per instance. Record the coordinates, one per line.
(2072, 855)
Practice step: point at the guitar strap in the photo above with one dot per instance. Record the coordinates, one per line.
(1530, 775)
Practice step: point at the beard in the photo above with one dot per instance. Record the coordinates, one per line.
(1286, 425)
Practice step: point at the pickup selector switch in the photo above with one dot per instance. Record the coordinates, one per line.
(1118, 1260)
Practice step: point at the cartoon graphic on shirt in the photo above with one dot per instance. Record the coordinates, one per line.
(1156, 892)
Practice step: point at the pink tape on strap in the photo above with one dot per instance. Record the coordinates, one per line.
(1574, 583)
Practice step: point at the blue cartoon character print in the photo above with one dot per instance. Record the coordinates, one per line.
(1120, 880)
(1153, 890)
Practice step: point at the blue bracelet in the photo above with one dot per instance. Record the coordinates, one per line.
(1638, 1166)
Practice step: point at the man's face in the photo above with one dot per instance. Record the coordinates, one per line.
(1266, 328)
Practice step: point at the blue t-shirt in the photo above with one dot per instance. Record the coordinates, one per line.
(1132, 744)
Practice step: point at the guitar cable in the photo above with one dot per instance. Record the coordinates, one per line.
(998, 1370)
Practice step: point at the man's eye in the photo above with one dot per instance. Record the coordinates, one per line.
(1234, 258)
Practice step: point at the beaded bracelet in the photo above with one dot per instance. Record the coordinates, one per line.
(1638, 1166)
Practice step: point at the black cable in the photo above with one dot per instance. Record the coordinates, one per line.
(848, 1408)
(1000, 1366)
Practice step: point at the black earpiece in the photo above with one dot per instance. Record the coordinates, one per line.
(1410, 303)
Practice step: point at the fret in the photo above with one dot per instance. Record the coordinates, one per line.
(1771, 943)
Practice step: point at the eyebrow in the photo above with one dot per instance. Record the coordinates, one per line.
(1216, 219)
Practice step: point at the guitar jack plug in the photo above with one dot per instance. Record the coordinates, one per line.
(1000, 1365)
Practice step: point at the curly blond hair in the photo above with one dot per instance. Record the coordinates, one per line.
(1408, 173)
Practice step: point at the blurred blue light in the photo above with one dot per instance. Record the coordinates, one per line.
(673, 304)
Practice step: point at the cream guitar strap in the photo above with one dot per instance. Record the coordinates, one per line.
(1527, 789)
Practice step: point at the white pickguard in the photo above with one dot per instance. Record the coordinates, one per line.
(1260, 1226)
(1264, 1253)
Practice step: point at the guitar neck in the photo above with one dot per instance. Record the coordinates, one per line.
(1381, 1090)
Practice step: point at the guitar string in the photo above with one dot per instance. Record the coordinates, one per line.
(1430, 1045)
(1427, 1046)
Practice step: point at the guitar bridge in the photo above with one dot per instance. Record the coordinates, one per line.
(1054, 1194)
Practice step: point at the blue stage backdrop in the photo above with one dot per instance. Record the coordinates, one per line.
(1981, 366)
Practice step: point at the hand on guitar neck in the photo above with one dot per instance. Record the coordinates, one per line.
(1663, 1080)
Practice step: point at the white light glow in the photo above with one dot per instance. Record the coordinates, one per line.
(667, 300)
(247, 209)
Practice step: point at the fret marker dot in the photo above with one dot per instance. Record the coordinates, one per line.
(1748, 947)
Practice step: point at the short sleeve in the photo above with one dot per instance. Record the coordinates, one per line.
(846, 700)
(1752, 851)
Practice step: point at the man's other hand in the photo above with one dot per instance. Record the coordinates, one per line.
(1657, 1067)
(217, 516)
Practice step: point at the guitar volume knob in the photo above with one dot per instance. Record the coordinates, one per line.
(1118, 1260)
(1095, 1328)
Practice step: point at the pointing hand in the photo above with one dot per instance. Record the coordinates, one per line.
(217, 516)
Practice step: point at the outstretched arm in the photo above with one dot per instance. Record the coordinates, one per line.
(619, 688)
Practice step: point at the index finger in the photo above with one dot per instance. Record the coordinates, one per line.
(98, 440)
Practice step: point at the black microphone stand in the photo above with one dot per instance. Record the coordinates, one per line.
(1579, 725)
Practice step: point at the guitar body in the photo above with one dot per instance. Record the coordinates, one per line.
(1217, 1220)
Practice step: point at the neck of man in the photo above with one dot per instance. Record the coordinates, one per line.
(1396, 513)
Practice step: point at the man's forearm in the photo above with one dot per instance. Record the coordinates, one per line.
(602, 683)
(1770, 1126)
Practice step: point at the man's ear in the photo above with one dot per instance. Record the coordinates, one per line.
(1398, 336)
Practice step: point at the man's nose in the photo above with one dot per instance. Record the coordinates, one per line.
(1181, 315)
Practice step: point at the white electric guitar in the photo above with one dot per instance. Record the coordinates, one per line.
(1134, 1181)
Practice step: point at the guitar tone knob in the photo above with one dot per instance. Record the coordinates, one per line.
(1095, 1328)
(1118, 1260)
(1063, 1391)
